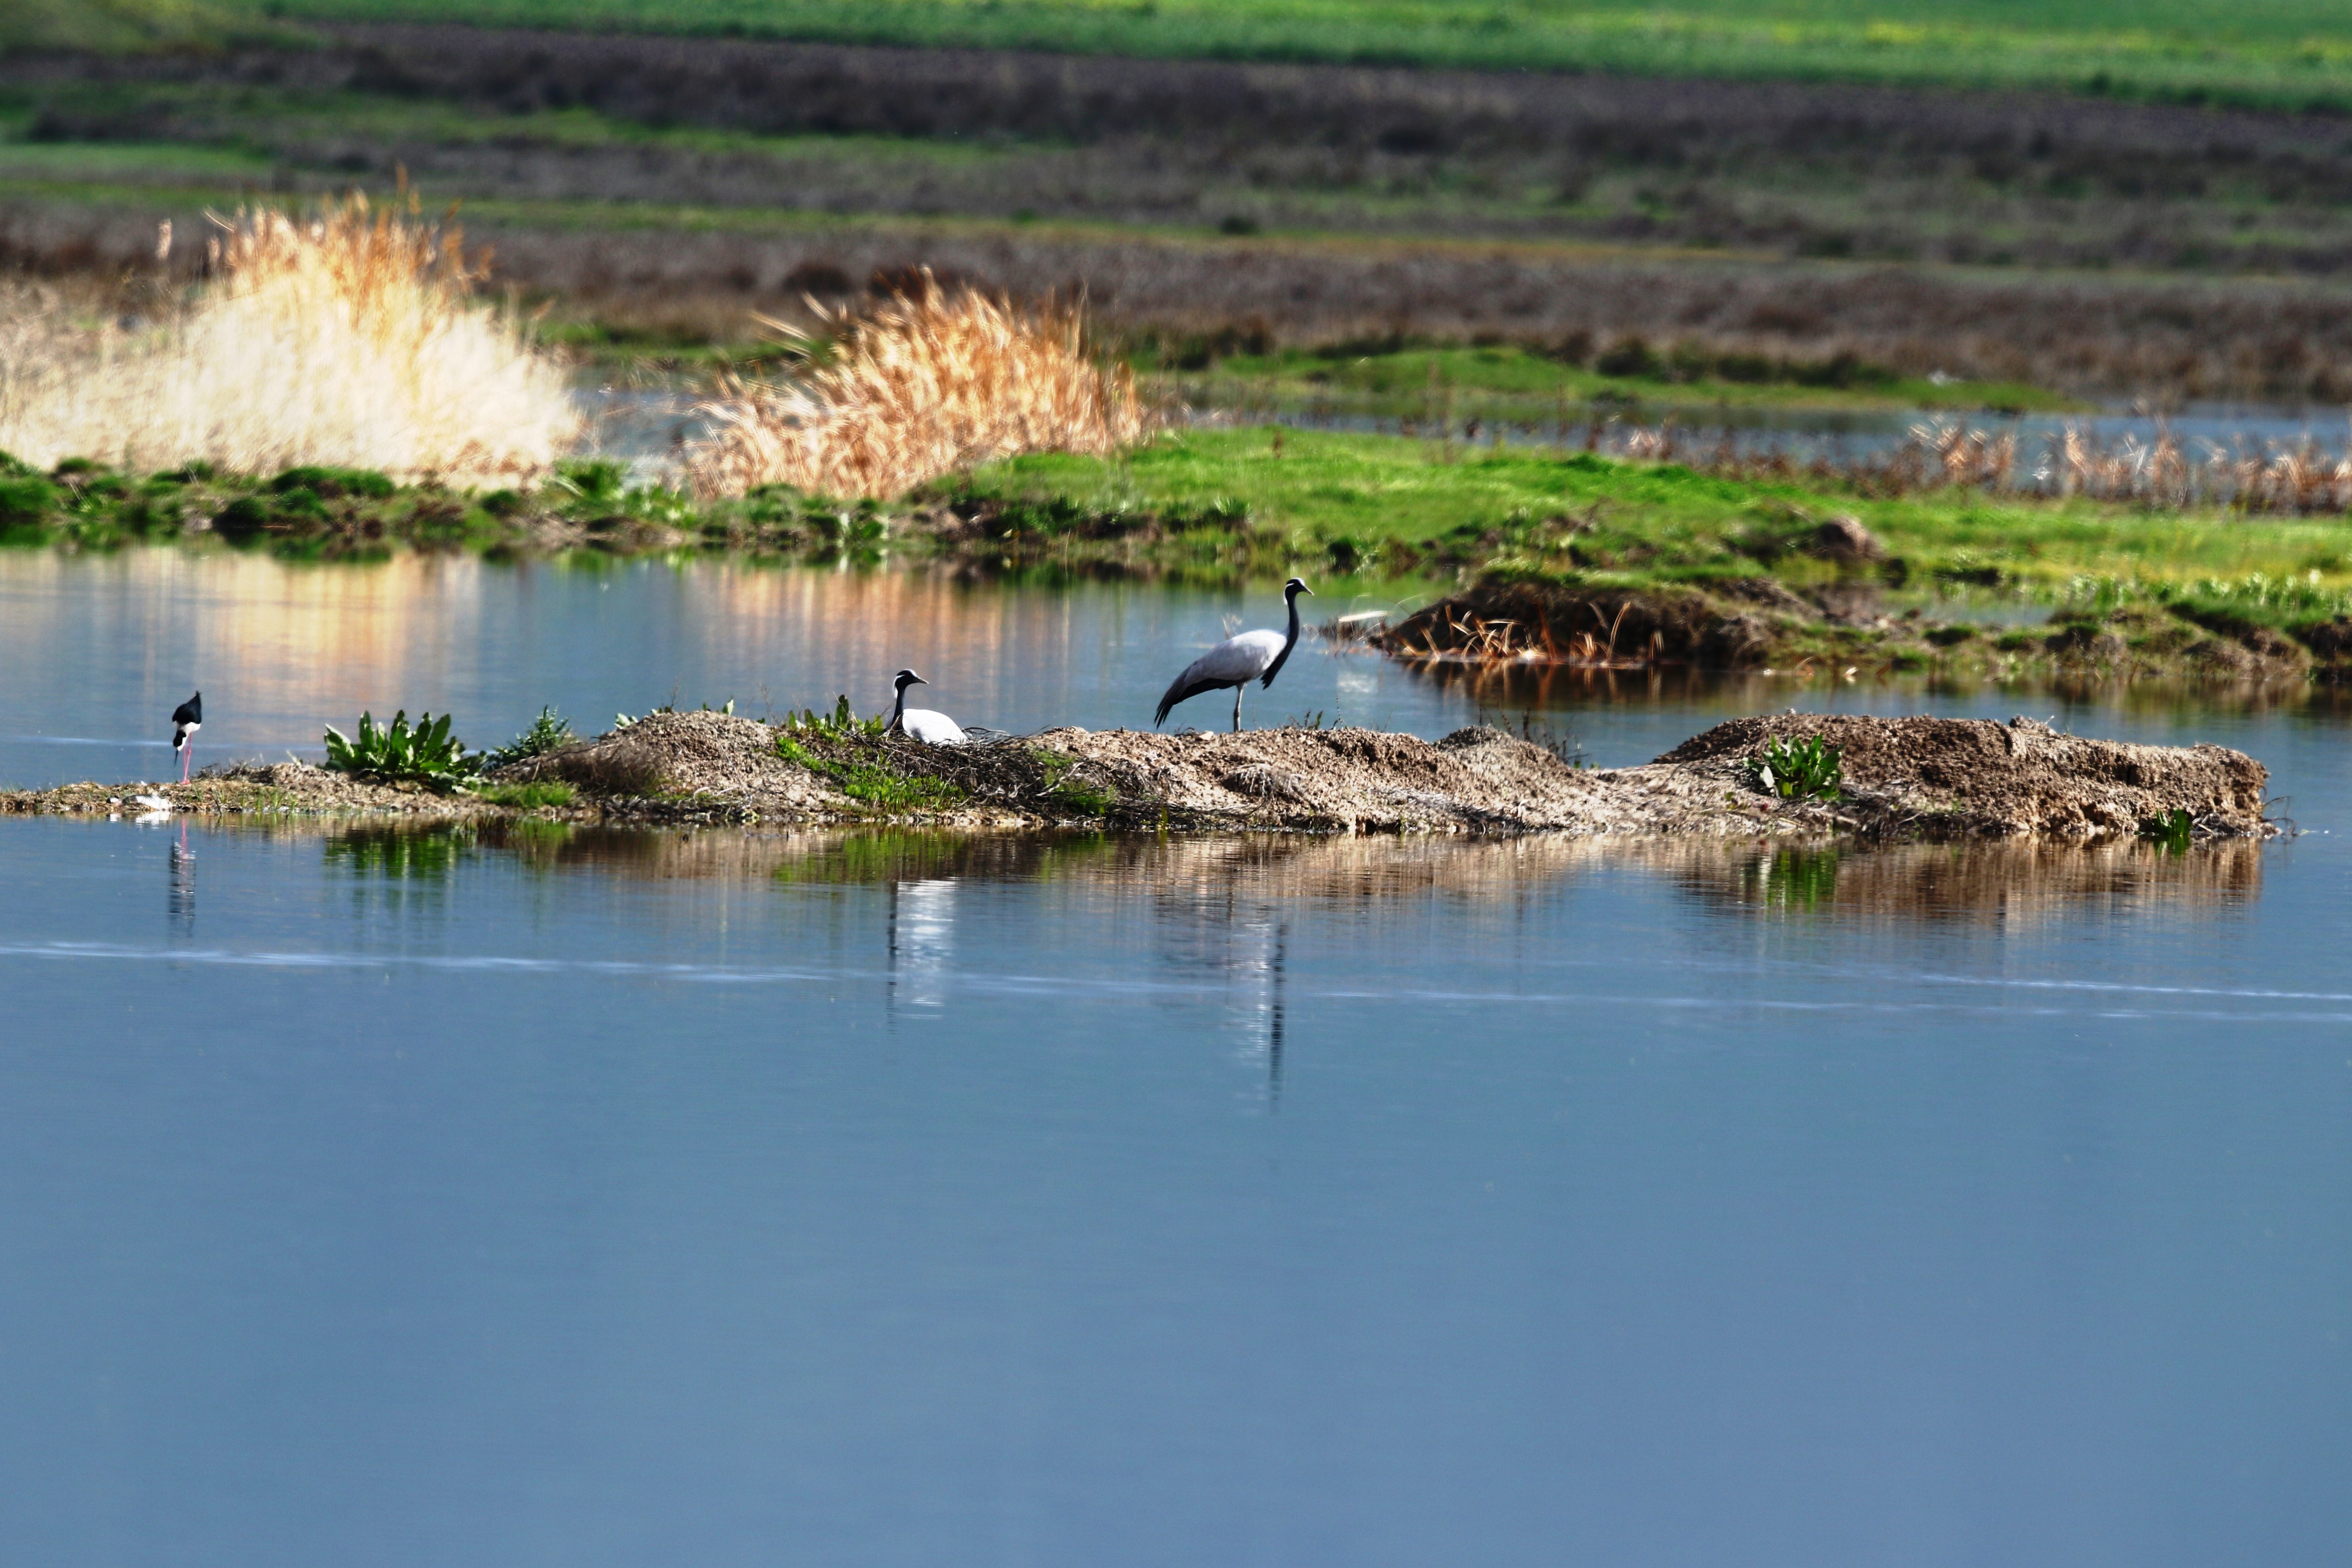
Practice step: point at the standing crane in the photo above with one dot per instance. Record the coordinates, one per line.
(1236, 661)
(937, 729)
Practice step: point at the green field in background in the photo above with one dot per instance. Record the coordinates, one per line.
(2286, 53)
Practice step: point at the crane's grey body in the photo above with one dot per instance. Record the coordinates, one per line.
(1236, 661)
(935, 729)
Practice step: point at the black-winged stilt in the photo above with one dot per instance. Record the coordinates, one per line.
(186, 719)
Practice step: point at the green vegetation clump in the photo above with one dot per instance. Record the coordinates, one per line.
(1808, 768)
(1072, 794)
(2173, 831)
(841, 724)
(427, 754)
(545, 794)
(546, 734)
(866, 775)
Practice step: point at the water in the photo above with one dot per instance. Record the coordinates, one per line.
(714, 1197)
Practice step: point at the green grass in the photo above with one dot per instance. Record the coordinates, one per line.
(2289, 53)
(870, 781)
(527, 796)
(121, 24)
(1385, 506)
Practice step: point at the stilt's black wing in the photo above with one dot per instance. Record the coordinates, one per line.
(191, 711)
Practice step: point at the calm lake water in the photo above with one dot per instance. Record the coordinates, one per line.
(751, 1198)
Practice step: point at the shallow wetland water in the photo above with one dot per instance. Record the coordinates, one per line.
(596, 1197)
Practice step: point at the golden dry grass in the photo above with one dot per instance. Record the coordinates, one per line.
(351, 339)
(934, 382)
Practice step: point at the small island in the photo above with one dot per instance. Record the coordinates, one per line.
(1874, 779)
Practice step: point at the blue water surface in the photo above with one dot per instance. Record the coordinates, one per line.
(754, 1197)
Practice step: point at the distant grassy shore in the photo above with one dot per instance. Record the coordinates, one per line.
(2272, 53)
(2129, 592)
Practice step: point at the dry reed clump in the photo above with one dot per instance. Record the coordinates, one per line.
(348, 340)
(933, 382)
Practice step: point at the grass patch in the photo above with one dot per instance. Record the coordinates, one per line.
(1074, 795)
(870, 780)
(1387, 507)
(527, 796)
(2276, 53)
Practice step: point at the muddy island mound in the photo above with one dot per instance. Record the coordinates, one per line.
(1899, 779)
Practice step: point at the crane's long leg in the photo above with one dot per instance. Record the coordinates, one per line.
(1237, 706)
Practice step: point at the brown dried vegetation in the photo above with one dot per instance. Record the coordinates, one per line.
(935, 382)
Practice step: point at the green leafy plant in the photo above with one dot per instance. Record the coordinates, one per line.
(547, 731)
(1805, 769)
(2174, 830)
(427, 754)
(841, 724)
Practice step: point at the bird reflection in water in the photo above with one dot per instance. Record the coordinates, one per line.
(1247, 950)
(1273, 1020)
(180, 904)
(922, 941)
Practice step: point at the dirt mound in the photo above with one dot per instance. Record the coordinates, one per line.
(248, 789)
(1903, 778)
(684, 757)
(1972, 776)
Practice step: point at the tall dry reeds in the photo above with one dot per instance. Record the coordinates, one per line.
(933, 383)
(350, 338)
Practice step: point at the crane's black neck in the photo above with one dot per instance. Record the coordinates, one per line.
(898, 713)
(1288, 642)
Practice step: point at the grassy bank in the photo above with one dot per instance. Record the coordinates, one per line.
(1947, 579)
(1728, 571)
(1408, 505)
(2270, 52)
